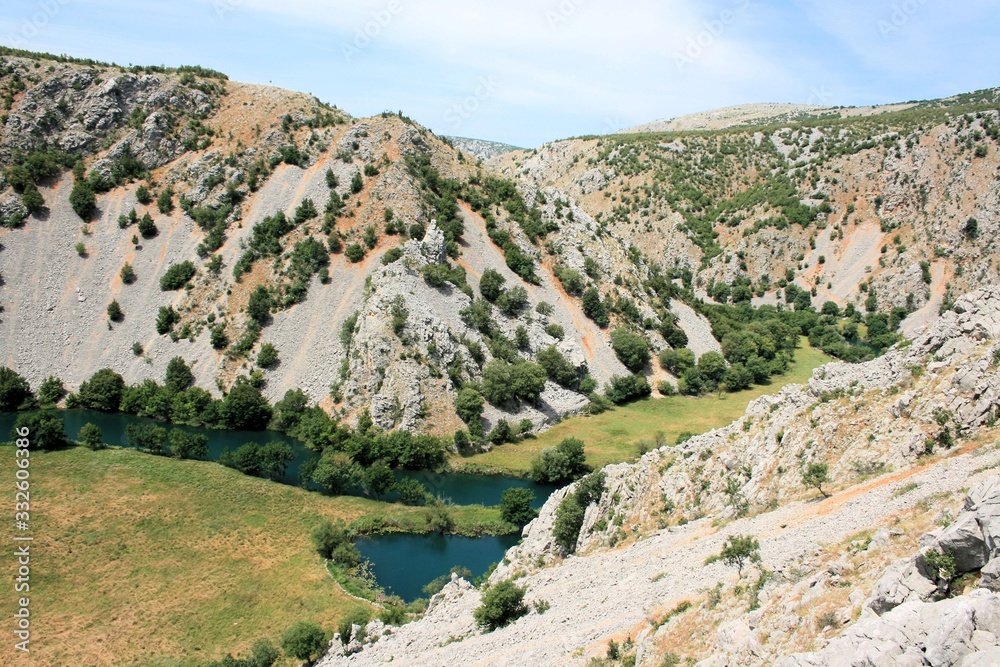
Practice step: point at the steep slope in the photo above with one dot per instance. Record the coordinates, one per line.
(646, 544)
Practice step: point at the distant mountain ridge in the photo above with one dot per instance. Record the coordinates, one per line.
(481, 148)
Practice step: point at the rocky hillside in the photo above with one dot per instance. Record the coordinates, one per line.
(900, 204)
(151, 213)
(897, 544)
(479, 148)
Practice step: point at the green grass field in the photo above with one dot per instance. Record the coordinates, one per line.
(612, 437)
(145, 560)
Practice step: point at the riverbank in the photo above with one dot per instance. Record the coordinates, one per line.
(189, 559)
(614, 436)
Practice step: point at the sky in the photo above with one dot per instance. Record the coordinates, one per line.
(526, 72)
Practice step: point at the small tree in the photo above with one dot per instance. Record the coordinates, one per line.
(188, 445)
(515, 506)
(816, 475)
(502, 604)
(740, 550)
(115, 313)
(147, 227)
(268, 355)
(304, 640)
(91, 437)
(127, 274)
(378, 479)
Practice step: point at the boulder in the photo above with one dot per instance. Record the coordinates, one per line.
(964, 540)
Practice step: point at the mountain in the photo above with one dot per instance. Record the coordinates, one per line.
(480, 148)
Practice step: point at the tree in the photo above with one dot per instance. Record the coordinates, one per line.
(82, 199)
(740, 550)
(712, 366)
(166, 318)
(218, 338)
(491, 285)
(304, 640)
(411, 492)
(569, 520)
(246, 459)
(51, 390)
(737, 378)
(146, 437)
(497, 386)
(594, 308)
(115, 313)
(179, 376)
(259, 306)
(268, 355)
(515, 505)
(244, 407)
(971, 229)
(557, 367)
(631, 348)
(676, 362)
(357, 183)
(327, 536)
(165, 200)
(336, 472)
(527, 380)
(147, 227)
(560, 464)
(142, 194)
(91, 437)
(32, 198)
(14, 390)
(177, 276)
(378, 479)
(502, 604)
(354, 252)
(275, 457)
(45, 430)
(188, 445)
(127, 274)
(816, 475)
(103, 391)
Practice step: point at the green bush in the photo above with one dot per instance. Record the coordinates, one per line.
(83, 199)
(127, 274)
(557, 367)
(502, 604)
(354, 252)
(15, 391)
(594, 308)
(515, 506)
(45, 430)
(304, 641)
(147, 227)
(245, 408)
(268, 355)
(491, 285)
(623, 388)
(103, 391)
(91, 437)
(177, 276)
(115, 313)
(560, 464)
(188, 445)
(631, 349)
(50, 392)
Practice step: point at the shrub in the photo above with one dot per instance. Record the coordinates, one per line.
(165, 200)
(676, 362)
(166, 318)
(555, 330)
(469, 406)
(83, 199)
(304, 640)
(45, 430)
(81, 249)
(259, 306)
(146, 437)
(15, 391)
(557, 367)
(91, 437)
(103, 391)
(268, 355)
(178, 376)
(631, 349)
(515, 506)
(502, 604)
(177, 276)
(560, 464)
(50, 392)
(127, 274)
(115, 313)
(623, 388)
(491, 285)
(336, 472)
(188, 445)
(354, 252)
(740, 550)
(568, 522)
(142, 194)
(411, 492)
(147, 227)
(594, 308)
(357, 183)
(816, 475)
(244, 407)
(219, 339)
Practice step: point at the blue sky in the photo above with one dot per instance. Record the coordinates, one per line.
(526, 72)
